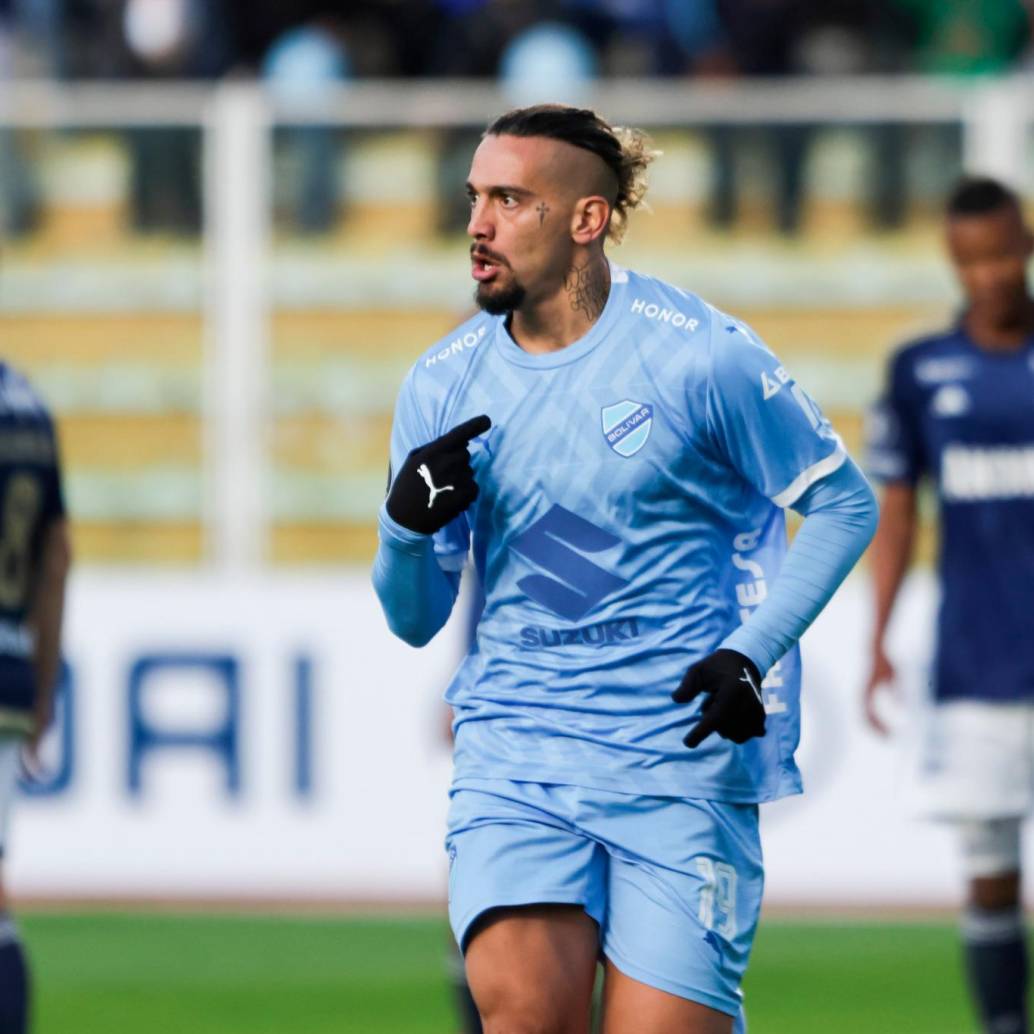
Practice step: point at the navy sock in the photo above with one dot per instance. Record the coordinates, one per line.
(996, 964)
(14, 980)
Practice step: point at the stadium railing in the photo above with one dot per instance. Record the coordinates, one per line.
(243, 273)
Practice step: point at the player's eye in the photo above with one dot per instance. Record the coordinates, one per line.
(509, 201)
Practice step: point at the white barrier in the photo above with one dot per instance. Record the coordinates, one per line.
(266, 738)
(344, 797)
(853, 838)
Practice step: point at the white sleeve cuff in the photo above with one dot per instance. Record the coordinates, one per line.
(816, 472)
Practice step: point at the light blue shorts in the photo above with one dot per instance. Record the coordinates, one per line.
(674, 884)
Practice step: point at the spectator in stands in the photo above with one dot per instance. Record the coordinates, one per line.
(486, 38)
(170, 39)
(635, 37)
(370, 31)
(752, 38)
(301, 66)
(79, 39)
(861, 37)
(304, 49)
(550, 61)
(978, 37)
(776, 38)
(19, 194)
(469, 42)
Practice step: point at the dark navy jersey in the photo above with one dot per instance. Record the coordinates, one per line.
(963, 417)
(30, 499)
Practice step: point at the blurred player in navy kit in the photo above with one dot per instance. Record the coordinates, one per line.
(34, 561)
(959, 410)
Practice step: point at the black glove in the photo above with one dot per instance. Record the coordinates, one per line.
(436, 483)
(734, 708)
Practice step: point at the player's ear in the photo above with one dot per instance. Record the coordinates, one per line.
(590, 219)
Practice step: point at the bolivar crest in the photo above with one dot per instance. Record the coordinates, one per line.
(627, 425)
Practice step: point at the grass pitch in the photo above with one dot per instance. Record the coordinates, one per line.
(103, 973)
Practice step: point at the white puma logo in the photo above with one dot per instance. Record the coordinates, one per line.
(425, 473)
(749, 679)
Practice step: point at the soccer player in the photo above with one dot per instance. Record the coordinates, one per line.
(619, 453)
(958, 411)
(34, 561)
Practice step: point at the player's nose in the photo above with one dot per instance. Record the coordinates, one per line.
(479, 226)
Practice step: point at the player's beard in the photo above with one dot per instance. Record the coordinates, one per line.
(497, 301)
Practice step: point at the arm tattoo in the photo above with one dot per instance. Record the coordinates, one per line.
(587, 288)
(542, 209)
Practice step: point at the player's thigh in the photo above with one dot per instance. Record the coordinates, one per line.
(684, 895)
(531, 968)
(629, 1005)
(526, 899)
(976, 761)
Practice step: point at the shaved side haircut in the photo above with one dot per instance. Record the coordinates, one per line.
(626, 152)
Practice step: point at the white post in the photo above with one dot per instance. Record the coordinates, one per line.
(237, 215)
(995, 130)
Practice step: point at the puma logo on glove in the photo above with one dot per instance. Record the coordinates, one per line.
(425, 473)
(432, 470)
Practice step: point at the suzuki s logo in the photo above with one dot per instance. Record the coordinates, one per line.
(577, 584)
(627, 425)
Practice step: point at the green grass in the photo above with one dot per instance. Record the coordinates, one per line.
(109, 974)
(160, 974)
(857, 978)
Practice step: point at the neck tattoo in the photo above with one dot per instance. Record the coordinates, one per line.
(587, 288)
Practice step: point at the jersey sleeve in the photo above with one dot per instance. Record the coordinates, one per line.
(411, 429)
(761, 421)
(894, 451)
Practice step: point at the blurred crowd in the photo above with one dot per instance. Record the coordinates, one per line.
(82, 39)
(309, 44)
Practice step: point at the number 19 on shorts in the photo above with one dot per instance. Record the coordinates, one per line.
(717, 897)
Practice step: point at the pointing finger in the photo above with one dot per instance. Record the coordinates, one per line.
(462, 433)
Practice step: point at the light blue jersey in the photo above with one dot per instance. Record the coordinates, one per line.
(629, 519)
